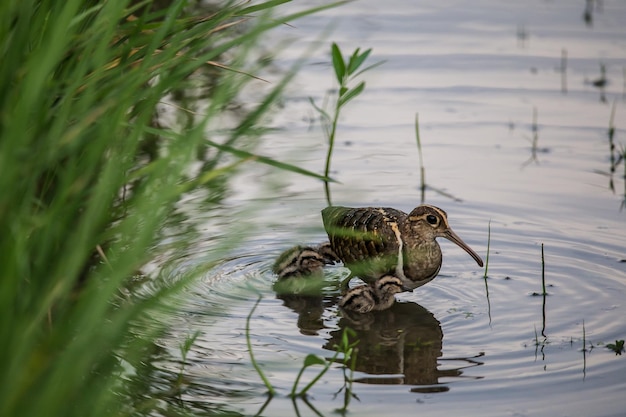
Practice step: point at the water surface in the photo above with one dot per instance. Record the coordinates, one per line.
(475, 74)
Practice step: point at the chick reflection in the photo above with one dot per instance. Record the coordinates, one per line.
(305, 297)
(403, 343)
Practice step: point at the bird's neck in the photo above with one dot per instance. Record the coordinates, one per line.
(422, 260)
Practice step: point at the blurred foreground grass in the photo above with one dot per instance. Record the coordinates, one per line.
(88, 177)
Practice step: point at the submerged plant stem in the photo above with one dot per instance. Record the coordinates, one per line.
(256, 366)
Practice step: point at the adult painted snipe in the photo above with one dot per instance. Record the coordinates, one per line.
(375, 242)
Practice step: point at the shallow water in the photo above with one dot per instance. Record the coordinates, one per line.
(474, 74)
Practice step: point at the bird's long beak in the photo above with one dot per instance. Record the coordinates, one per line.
(450, 235)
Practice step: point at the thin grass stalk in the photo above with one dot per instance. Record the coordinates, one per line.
(488, 249)
(329, 153)
(310, 385)
(185, 347)
(421, 160)
(611, 135)
(486, 269)
(543, 272)
(622, 157)
(584, 350)
(296, 382)
(536, 337)
(544, 293)
(584, 338)
(348, 379)
(256, 366)
(349, 393)
(535, 130)
(345, 347)
(623, 83)
(563, 71)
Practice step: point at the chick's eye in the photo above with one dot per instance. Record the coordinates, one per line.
(431, 219)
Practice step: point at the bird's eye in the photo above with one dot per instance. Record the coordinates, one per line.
(431, 219)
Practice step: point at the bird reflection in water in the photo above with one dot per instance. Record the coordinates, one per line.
(400, 345)
(309, 298)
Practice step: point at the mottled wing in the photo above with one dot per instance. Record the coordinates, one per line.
(365, 239)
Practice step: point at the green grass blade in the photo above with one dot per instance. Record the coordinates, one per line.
(262, 6)
(356, 60)
(338, 63)
(351, 93)
(371, 67)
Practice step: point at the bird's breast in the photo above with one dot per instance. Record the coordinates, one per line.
(421, 264)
